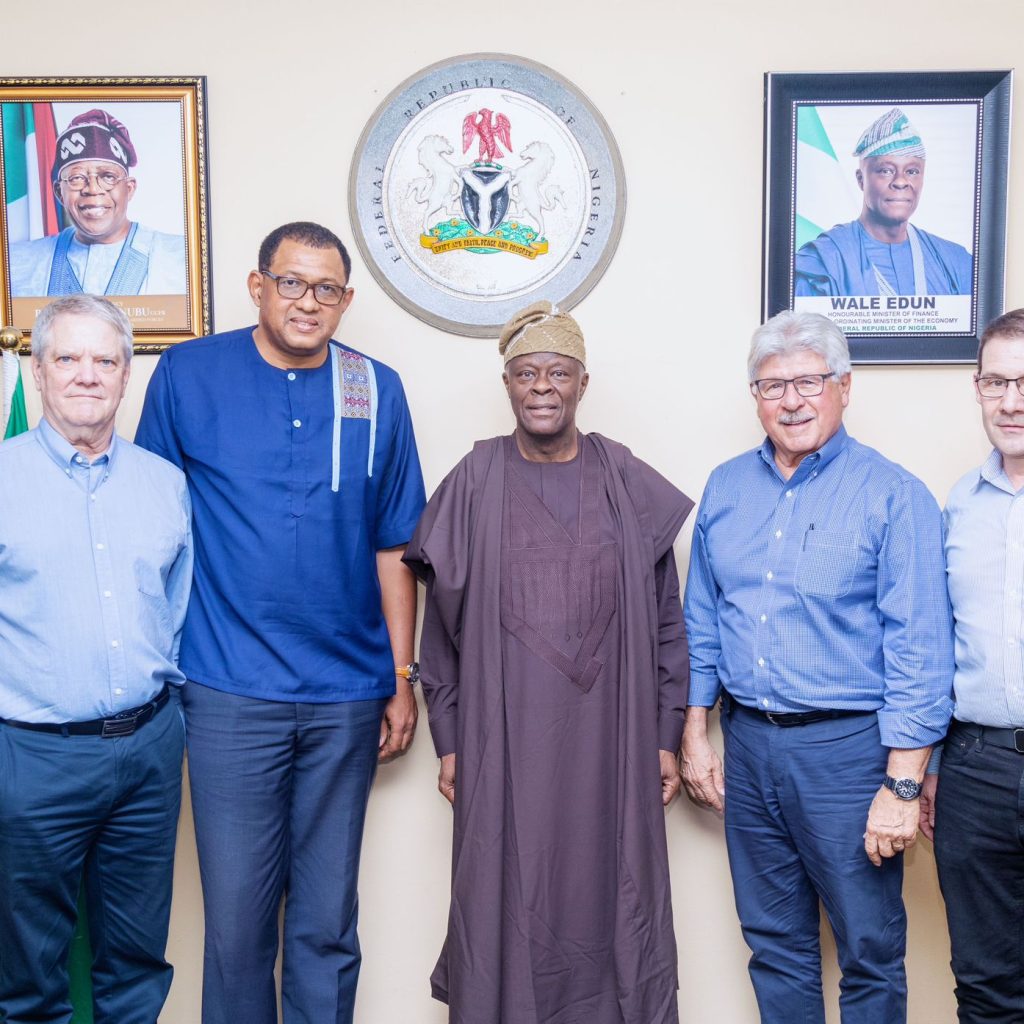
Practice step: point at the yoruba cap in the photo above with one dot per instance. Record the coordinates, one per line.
(891, 133)
(94, 135)
(542, 328)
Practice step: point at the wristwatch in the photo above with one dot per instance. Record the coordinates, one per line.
(905, 789)
(410, 672)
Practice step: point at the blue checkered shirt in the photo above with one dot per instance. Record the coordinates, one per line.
(826, 590)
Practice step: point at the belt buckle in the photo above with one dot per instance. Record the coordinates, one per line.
(772, 717)
(1018, 740)
(119, 727)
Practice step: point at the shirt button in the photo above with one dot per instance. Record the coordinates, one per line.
(765, 702)
(789, 494)
(92, 497)
(114, 643)
(118, 691)
(296, 423)
(770, 575)
(106, 593)
(760, 662)
(778, 534)
(100, 547)
(291, 376)
(764, 618)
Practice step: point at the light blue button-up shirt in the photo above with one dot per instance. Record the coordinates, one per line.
(826, 590)
(984, 520)
(95, 571)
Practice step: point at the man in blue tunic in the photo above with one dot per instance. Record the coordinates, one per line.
(881, 252)
(302, 465)
(102, 252)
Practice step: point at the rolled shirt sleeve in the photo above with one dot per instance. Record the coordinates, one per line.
(917, 621)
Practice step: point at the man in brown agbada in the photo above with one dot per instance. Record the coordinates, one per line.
(554, 665)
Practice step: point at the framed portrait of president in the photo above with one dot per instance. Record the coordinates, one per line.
(885, 207)
(104, 191)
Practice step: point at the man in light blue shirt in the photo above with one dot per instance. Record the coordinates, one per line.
(978, 811)
(95, 570)
(816, 609)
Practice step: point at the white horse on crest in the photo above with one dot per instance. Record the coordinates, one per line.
(440, 187)
(531, 198)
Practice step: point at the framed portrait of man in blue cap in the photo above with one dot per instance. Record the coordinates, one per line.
(103, 190)
(885, 207)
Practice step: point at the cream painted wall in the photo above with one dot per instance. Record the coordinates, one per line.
(290, 87)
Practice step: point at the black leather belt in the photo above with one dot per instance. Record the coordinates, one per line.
(124, 723)
(1008, 739)
(789, 719)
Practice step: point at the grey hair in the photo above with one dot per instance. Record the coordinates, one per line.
(790, 331)
(80, 305)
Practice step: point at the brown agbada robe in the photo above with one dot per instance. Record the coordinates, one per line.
(554, 665)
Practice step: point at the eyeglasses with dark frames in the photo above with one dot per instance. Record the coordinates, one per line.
(808, 385)
(990, 386)
(326, 293)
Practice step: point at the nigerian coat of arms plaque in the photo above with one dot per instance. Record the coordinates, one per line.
(484, 183)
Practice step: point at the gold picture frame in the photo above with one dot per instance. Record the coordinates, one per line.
(143, 242)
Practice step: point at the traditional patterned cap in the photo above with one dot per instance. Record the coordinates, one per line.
(94, 135)
(891, 133)
(542, 328)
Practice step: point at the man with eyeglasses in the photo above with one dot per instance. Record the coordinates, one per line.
(101, 252)
(977, 813)
(881, 252)
(298, 644)
(816, 610)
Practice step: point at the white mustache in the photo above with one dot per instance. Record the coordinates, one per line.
(790, 418)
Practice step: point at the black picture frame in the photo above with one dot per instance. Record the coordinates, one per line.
(968, 115)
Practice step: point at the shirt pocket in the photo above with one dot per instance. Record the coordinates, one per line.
(149, 564)
(828, 564)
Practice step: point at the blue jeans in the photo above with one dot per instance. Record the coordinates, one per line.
(279, 794)
(796, 806)
(979, 850)
(108, 808)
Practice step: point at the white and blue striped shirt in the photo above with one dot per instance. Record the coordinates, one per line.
(826, 590)
(984, 520)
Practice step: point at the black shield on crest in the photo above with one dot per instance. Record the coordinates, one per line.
(485, 197)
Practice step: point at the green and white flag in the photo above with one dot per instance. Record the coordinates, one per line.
(14, 420)
(29, 144)
(824, 190)
(22, 172)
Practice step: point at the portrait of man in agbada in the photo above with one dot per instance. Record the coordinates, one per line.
(101, 250)
(882, 252)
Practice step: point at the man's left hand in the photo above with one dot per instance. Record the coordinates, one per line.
(398, 726)
(670, 778)
(892, 826)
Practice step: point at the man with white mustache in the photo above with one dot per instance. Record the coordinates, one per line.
(816, 609)
(976, 813)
